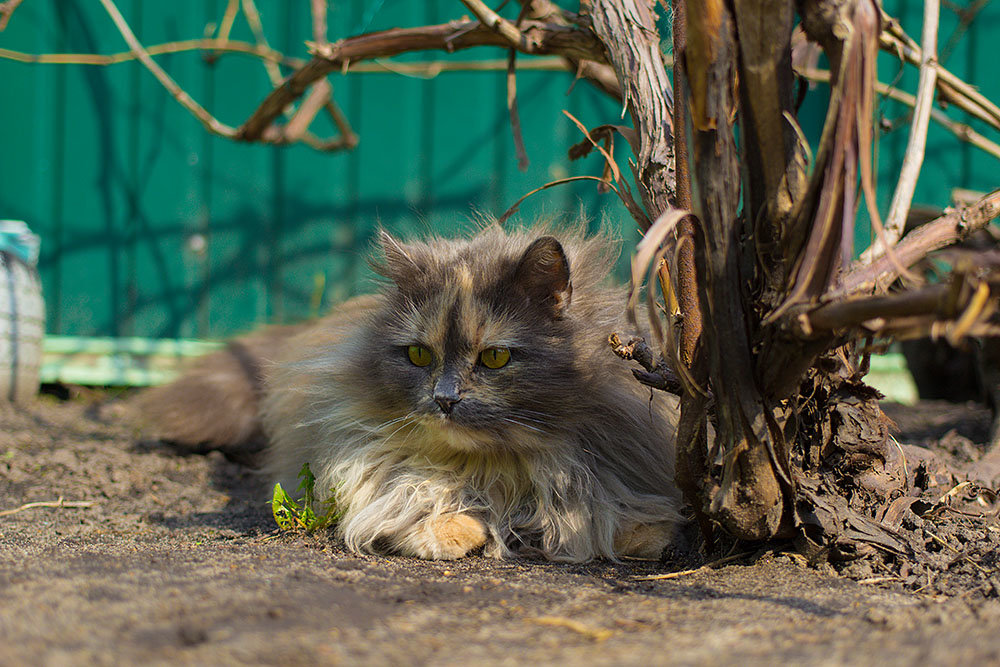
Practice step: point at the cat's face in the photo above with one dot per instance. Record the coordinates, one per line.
(474, 347)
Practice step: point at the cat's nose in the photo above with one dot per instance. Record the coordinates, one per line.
(447, 392)
(446, 402)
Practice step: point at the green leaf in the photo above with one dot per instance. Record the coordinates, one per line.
(284, 509)
(307, 485)
(308, 482)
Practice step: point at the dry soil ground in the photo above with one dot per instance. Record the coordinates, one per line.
(175, 561)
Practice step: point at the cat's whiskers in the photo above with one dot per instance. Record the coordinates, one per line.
(545, 423)
(409, 434)
(511, 420)
(533, 412)
(363, 430)
(386, 424)
(541, 422)
(535, 415)
(404, 421)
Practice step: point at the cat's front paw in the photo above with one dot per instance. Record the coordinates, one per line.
(450, 536)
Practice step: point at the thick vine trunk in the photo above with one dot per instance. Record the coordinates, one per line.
(754, 487)
(750, 499)
(691, 469)
(744, 271)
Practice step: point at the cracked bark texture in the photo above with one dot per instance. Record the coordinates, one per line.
(628, 30)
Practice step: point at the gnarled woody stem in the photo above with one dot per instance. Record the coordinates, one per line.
(750, 502)
(951, 227)
(540, 39)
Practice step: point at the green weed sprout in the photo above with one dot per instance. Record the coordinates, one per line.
(291, 515)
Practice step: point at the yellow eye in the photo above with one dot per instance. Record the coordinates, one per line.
(495, 357)
(420, 356)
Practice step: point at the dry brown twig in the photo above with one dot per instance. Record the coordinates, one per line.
(962, 131)
(595, 634)
(318, 8)
(166, 48)
(228, 19)
(515, 117)
(949, 228)
(252, 17)
(913, 158)
(950, 87)
(428, 70)
(204, 117)
(319, 97)
(655, 373)
(559, 181)
(704, 568)
(497, 23)
(56, 504)
(6, 10)
(300, 121)
(878, 313)
(624, 192)
(966, 15)
(540, 39)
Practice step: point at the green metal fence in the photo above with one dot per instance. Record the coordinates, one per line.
(151, 227)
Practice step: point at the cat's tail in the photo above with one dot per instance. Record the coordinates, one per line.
(215, 404)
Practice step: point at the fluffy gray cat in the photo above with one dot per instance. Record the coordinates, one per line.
(473, 402)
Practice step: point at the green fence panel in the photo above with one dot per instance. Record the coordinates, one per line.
(152, 227)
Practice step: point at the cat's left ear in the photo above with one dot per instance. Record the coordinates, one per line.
(399, 264)
(543, 275)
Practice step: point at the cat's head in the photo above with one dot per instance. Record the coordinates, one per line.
(474, 344)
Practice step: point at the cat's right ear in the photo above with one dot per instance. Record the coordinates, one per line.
(398, 264)
(542, 275)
